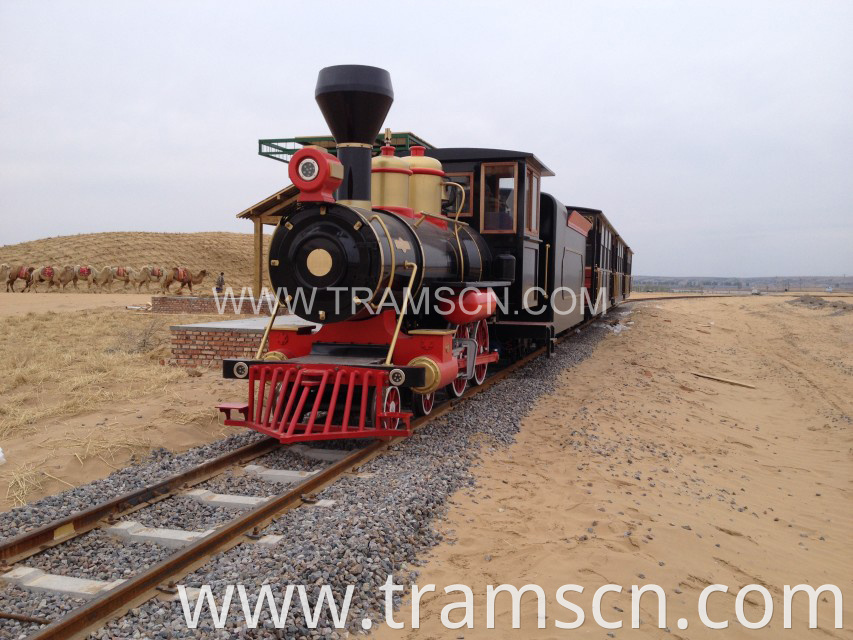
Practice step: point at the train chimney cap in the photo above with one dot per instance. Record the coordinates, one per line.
(354, 100)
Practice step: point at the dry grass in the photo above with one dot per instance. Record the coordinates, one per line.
(214, 251)
(62, 365)
(93, 444)
(23, 481)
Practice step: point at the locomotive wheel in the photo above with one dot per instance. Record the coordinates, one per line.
(392, 404)
(422, 403)
(456, 388)
(480, 331)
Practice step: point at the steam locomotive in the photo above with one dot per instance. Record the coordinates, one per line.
(415, 274)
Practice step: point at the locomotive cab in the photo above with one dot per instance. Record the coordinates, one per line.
(502, 195)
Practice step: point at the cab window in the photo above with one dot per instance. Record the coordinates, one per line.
(466, 181)
(498, 188)
(532, 223)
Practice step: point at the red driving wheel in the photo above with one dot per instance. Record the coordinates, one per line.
(423, 403)
(480, 332)
(456, 388)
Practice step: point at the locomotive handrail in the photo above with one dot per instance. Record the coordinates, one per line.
(456, 227)
(393, 257)
(424, 215)
(406, 293)
(462, 203)
(547, 255)
(266, 335)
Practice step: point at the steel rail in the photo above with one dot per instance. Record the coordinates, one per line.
(162, 576)
(31, 542)
(61, 530)
(143, 586)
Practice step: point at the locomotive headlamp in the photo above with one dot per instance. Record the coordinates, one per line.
(241, 370)
(308, 169)
(316, 174)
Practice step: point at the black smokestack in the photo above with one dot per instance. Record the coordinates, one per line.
(354, 100)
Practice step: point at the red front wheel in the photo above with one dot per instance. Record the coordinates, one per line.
(391, 404)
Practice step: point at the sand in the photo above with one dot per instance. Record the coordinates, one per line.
(637, 472)
(57, 454)
(212, 250)
(13, 304)
(83, 391)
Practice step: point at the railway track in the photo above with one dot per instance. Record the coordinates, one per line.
(160, 579)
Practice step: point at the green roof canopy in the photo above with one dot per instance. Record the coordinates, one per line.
(282, 148)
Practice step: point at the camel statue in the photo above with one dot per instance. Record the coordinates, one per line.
(123, 275)
(103, 278)
(67, 276)
(145, 276)
(86, 273)
(182, 275)
(19, 272)
(42, 274)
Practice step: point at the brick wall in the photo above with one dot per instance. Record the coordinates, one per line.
(203, 347)
(202, 304)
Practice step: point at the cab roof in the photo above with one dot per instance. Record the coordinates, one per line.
(471, 154)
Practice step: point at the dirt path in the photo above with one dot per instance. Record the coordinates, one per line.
(22, 303)
(638, 472)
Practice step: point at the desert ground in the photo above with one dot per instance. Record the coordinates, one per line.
(636, 471)
(16, 304)
(83, 391)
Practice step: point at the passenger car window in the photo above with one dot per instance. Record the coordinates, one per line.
(498, 197)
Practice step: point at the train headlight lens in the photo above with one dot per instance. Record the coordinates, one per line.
(308, 169)
(241, 370)
(397, 377)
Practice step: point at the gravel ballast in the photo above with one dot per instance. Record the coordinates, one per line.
(382, 520)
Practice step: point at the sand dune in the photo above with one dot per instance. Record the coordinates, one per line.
(637, 472)
(215, 251)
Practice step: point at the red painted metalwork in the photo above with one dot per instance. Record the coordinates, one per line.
(319, 187)
(577, 222)
(470, 307)
(587, 277)
(282, 394)
(377, 330)
(458, 386)
(480, 332)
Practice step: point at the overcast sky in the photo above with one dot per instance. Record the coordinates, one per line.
(717, 136)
